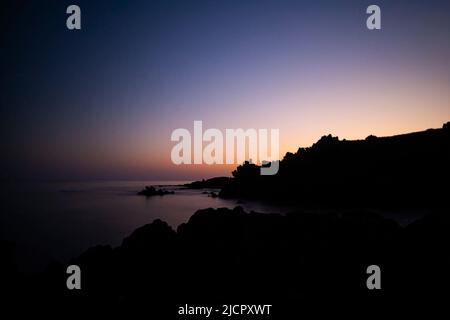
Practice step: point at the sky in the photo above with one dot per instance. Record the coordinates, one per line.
(102, 102)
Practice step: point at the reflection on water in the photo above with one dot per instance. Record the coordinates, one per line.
(57, 221)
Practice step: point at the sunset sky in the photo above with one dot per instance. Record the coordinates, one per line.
(101, 103)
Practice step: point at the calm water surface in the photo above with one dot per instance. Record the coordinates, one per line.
(59, 220)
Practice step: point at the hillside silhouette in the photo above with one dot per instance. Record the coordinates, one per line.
(407, 170)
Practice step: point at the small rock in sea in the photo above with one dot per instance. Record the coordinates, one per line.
(152, 191)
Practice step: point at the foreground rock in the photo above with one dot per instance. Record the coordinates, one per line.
(285, 260)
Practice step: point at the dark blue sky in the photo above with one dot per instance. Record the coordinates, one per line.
(102, 102)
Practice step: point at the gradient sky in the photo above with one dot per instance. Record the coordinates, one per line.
(101, 103)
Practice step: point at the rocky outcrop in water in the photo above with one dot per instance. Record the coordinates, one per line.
(152, 191)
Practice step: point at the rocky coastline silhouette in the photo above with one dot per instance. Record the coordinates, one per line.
(316, 255)
(228, 254)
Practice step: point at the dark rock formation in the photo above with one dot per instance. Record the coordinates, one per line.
(152, 191)
(289, 261)
(213, 183)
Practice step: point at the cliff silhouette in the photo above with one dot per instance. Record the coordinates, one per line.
(407, 170)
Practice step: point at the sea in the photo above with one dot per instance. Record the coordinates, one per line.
(58, 220)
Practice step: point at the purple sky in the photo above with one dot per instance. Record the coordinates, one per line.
(101, 103)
